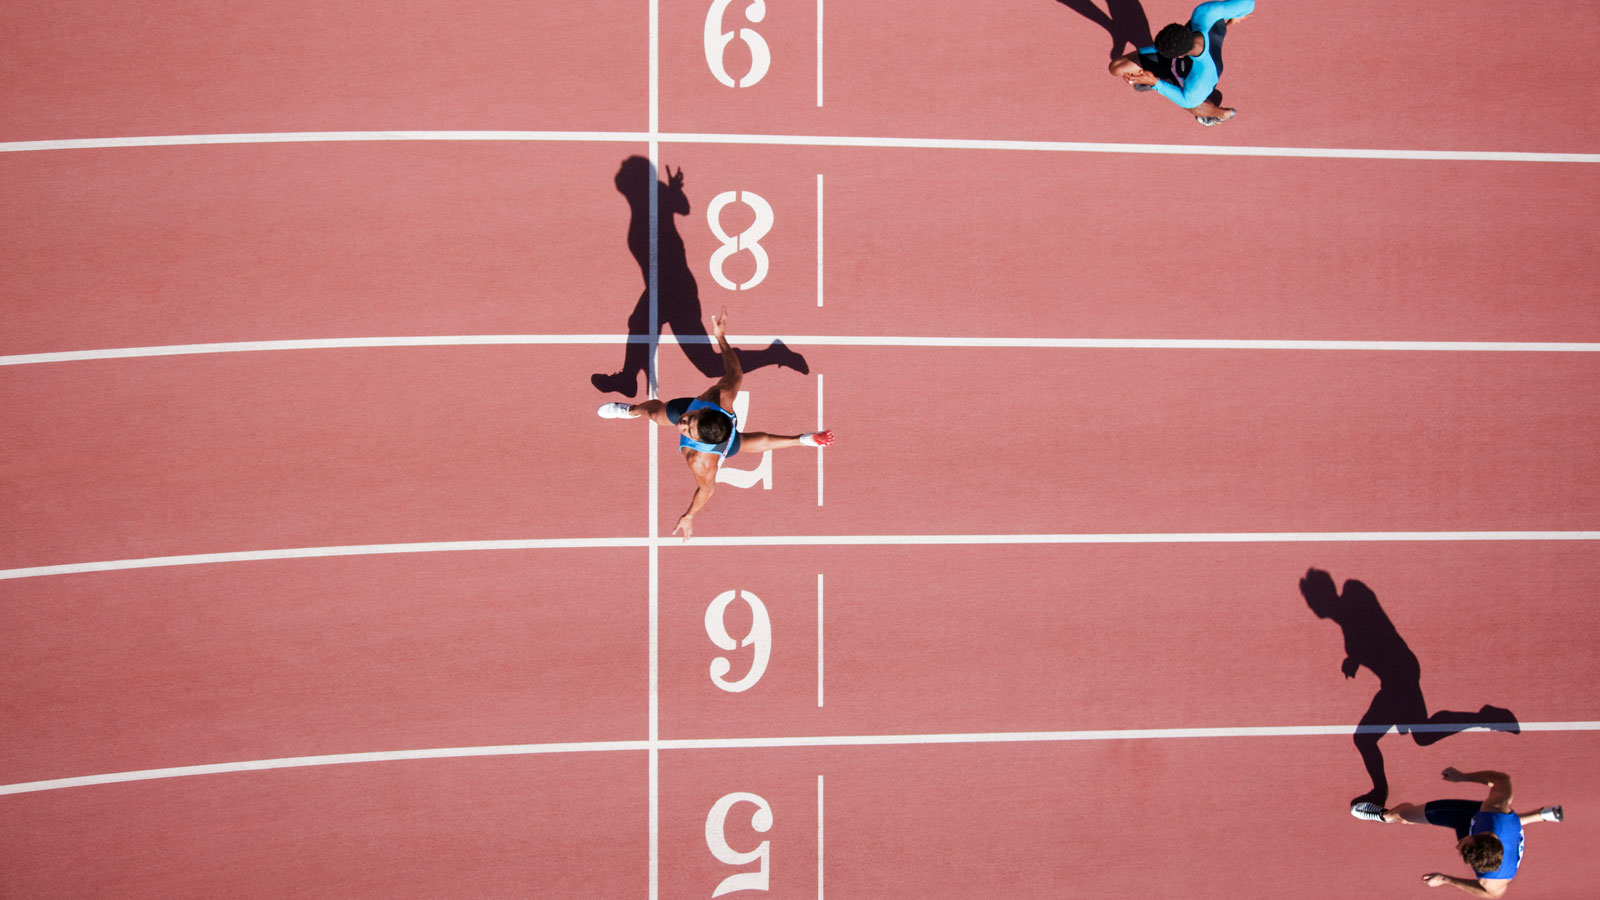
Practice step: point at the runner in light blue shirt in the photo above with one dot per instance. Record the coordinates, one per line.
(1185, 62)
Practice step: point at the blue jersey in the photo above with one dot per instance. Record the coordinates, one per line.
(1508, 828)
(1202, 76)
(724, 449)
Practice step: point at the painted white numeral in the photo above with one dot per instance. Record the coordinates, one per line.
(717, 840)
(746, 478)
(760, 636)
(717, 42)
(748, 239)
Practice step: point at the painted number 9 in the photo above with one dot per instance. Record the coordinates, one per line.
(717, 840)
(717, 42)
(760, 636)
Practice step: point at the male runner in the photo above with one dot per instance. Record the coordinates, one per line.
(1185, 62)
(1489, 834)
(708, 430)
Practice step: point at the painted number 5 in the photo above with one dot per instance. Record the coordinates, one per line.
(717, 840)
(717, 42)
(748, 239)
(760, 635)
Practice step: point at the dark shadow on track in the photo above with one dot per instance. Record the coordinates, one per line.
(1371, 640)
(1124, 20)
(678, 299)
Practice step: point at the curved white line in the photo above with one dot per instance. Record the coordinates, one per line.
(810, 540)
(808, 340)
(878, 740)
(800, 140)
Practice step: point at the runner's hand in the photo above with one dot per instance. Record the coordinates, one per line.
(1142, 77)
(1434, 879)
(719, 324)
(685, 525)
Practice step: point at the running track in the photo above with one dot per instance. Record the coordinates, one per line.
(322, 580)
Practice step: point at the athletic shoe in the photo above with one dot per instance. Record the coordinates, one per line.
(1550, 814)
(817, 439)
(1141, 88)
(1371, 812)
(1209, 121)
(616, 410)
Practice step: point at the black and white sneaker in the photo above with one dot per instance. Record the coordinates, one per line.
(1371, 812)
(1550, 814)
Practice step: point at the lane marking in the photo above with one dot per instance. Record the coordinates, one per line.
(819, 54)
(820, 451)
(879, 740)
(812, 340)
(819, 640)
(802, 140)
(654, 752)
(802, 540)
(819, 240)
(819, 828)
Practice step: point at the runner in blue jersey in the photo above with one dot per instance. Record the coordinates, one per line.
(1488, 834)
(708, 430)
(1185, 62)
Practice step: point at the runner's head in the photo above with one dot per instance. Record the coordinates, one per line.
(1483, 852)
(1176, 40)
(707, 426)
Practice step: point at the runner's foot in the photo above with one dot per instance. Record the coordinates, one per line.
(1551, 814)
(1370, 812)
(817, 439)
(1228, 112)
(616, 411)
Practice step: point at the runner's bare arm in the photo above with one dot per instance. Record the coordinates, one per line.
(704, 467)
(723, 392)
(1488, 887)
(1499, 784)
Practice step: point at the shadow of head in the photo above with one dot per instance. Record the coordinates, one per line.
(634, 179)
(1321, 594)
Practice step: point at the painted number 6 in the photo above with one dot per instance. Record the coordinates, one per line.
(717, 42)
(760, 635)
(717, 840)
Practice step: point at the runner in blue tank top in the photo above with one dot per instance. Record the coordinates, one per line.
(1185, 63)
(708, 430)
(1488, 834)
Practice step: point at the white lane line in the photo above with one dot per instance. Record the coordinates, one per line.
(877, 740)
(805, 540)
(819, 640)
(336, 759)
(819, 240)
(811, 340)
(819, 54)
(819, 835)
(320, 137)
(820, 451)
(803, 140)
(319, 552)
(654, 277)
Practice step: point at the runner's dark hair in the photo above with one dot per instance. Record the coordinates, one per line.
(1175, 40)
(714, 426)
(1483, 853)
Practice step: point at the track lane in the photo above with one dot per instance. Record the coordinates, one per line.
(80, 69)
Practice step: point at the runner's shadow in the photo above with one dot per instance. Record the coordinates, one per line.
(1371, 640)
(1124, 20)
(678, 299)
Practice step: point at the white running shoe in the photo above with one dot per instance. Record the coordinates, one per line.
(1371, 812)
(1550, 814)
(616, 411)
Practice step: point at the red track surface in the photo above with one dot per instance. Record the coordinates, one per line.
(152, 668)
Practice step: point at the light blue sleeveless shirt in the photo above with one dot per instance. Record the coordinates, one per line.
(719, 449)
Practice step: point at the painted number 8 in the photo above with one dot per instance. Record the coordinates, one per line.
(717, 42)
(717, 840)
(760, 635)
(748, 239)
